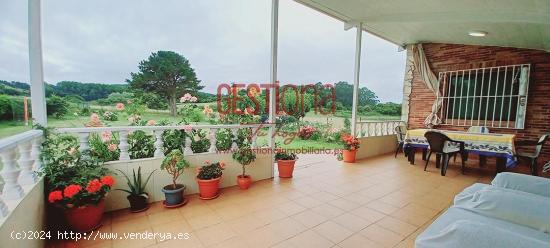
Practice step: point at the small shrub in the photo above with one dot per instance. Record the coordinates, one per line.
(210, 171)
(174, 164)
(110, 116)
(224, 139)
(141, 145)
(306, 132)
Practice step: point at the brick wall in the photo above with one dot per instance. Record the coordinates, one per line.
(447, 57)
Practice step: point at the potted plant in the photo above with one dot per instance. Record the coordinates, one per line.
(136, 191)
(174, 164)
(285, 163)
(76, 183)
(351, 144)
(244, 156)
(208, 179)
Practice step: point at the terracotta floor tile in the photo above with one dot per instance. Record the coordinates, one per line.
(344, 204)
(382, 207)
(164, 217)
(381, 235)
(137, 241)
(352, 222)
(368, 214)
(333, 231)
(202, 221)
(310, 239)
(328, 210)
(358, 241)
(291, 208)
(309, 218)
(308, 202)
(215, 234)
(397, 226)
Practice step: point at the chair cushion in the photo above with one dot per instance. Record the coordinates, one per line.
(525, 183)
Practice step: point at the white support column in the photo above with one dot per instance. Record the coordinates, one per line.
(187, 146)
(273, 75)
(35, 153)
(357, 71)
(38, 95)
(212, 133)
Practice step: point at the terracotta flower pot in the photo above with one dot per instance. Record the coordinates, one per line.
(208, 189)
(349, 156)
(286, 167)
(244, 182)
(86, 218)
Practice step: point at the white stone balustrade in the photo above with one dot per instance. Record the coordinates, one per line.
(157, 131)
(20, 159)
(376, 128)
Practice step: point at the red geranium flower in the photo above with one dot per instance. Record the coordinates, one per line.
(94, 186)
(108, 180)
(55, 195)
(71, 190)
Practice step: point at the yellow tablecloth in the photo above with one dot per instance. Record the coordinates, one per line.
(492, 144)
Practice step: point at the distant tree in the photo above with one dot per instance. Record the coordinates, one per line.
(88, 91)
(344, 94)
(167, 74)
(388, 108)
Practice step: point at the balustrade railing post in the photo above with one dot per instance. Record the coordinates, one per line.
(10, 173)
(35, 153)
(83, 140)
(212, 140)
(123, 146)
(254, 140)
(4, 211)
(187, 150)
(159, 144)
(27, 176)
(234, 145)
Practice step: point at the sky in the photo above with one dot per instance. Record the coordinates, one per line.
(225, 41)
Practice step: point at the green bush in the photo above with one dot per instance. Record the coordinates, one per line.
(199, 142)
(224, 139)
(388, 108)
(57, 107)
(153, 101)
(141, 145)
(104, 150)
(115, 98)
(5, 107)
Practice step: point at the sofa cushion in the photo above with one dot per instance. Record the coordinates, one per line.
(510, 205)
(525, 183)
(469, 233)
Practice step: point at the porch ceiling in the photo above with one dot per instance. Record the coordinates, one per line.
(509, 23)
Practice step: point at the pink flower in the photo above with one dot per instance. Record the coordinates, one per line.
(120, 106)
(186, 97)
(222, 164)
(129, 101)
(94, 117)
(151, 123)
(106, 136)
(131, 119)
(207, 162)
(193, 99)
(187, 128)
(112, 147)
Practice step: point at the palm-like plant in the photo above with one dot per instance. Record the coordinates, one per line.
(136, 186)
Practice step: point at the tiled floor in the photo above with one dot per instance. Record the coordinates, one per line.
(379, 202)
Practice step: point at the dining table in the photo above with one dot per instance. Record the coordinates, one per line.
(500, 146)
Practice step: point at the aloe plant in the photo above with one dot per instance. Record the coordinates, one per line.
(136, 186)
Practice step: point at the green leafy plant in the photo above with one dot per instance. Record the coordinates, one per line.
(142, 145)
(244, 156)
(136, 186)
(174, 164)
(282, 154)
(57, 107)
(224, 139)
(210, 170)
(72, 178)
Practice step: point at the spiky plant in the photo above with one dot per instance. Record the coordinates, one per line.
(136, 186)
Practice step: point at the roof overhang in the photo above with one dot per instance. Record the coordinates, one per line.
(508, 23)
